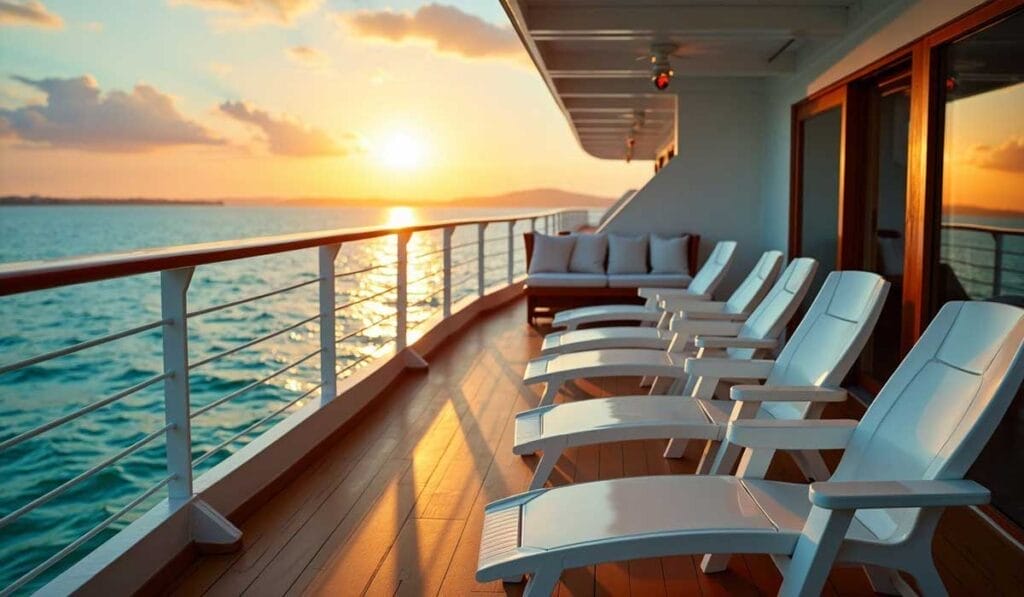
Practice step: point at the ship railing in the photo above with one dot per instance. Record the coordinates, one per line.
(176, 267)
(984, 261)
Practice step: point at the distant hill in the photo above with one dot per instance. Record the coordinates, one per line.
(533, 198)
(540, 198)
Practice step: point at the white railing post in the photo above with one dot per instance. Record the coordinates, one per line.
(533, 224)
(447, 272)
(174, 307)
(402, 299)
(480, 258)
(511, 251)
(328, 349)
(547, 224)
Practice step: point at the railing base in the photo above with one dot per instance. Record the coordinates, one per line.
(211, 532)
(413, 359)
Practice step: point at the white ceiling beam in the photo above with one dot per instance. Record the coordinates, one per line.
(555, 22)
(563, 65)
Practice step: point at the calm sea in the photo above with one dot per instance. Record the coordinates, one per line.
(35, 323)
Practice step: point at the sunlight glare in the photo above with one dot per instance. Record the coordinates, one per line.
(399, 217)
(402, 151)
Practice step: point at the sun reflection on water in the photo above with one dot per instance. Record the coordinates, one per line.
(399, 217)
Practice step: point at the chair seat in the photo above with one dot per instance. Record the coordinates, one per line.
(642, 517)
(611, 337)
(605, 363)
(622, 418)
(600, 313)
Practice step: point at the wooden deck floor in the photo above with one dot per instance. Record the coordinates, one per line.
(395, 506)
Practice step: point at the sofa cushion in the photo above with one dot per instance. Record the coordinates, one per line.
(669, 255)
(627, 254)
(549, 280)
(588, 254)
(654, 280)
(551, 254)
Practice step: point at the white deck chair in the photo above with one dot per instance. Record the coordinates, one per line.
(702, 287)
(904, 462)
(808, 371)
(747, 296)
(842, 292)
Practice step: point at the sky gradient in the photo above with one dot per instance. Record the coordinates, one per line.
(397, 99)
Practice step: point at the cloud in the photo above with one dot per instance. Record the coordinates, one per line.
(308, 56)
(449, 29)
(1008, 156)
(288, 136)
(281, 12)
(28, 12)
(76, 114)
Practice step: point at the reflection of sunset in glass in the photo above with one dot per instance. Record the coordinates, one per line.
(401, 216)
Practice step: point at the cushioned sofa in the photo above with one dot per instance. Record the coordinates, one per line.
(591, 275)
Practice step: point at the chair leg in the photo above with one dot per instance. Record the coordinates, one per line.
(543, 582)
(545, 465)
(714, 562)
(881, 580)
(550, 392)
(928, 579)
(815, 552)
(675, 448)
(811, 464)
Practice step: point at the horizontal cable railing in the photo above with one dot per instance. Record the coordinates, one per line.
(1004, 266)
(344, 320)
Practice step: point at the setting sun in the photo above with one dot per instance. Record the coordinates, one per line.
(402, 151)
(401, 216)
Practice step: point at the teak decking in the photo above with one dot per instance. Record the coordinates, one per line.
(395, 506)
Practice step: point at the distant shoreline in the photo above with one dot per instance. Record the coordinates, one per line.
(6, 201)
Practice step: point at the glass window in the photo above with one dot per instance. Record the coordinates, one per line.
(819, 192)
(981, 219)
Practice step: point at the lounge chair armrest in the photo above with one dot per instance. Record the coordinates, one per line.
(730, 368)
(695, 327)
(708, 316)
(856, 495)
(652, 292)
(687, 303)
(800, 434)
(755, 393)
(733, 342)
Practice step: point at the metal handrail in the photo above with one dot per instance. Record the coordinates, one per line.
(30, 276)
(176, 266)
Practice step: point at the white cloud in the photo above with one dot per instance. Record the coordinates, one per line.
(28, 12)
(288, 136)
(447, 28)
(77, 114)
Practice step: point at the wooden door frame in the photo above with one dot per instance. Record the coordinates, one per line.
(924, 169)
(924, 157)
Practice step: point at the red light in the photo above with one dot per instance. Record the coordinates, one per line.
(661, 81)
(950, 84)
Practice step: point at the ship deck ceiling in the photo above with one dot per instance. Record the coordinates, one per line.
(395, 504)
(602, 49)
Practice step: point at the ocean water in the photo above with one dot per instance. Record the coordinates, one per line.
(35, 323)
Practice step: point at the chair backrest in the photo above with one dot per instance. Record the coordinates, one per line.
(771, 315)
(829, 338)
(755, 286)
(711, 274)
(940, 407)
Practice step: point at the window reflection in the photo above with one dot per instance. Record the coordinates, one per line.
(981, 219)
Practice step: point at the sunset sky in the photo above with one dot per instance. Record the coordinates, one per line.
(280, 98)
